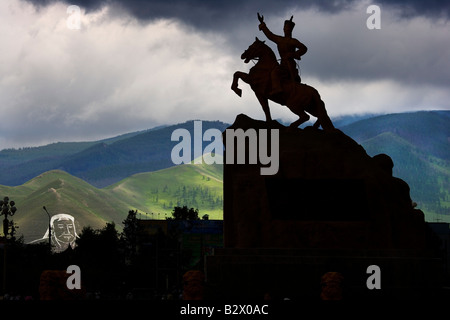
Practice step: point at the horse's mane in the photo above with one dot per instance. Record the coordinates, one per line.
(269, 50)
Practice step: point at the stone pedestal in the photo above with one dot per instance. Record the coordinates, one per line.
(297, 274)
(330, 207)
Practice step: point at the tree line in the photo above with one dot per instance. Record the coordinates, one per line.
(193, 196)
(112, 263)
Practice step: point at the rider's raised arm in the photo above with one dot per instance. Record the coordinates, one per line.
(271, 36)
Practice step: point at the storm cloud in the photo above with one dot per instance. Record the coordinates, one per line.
(138, 64)
(217, 13)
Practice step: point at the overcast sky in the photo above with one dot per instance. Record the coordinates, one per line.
(137, 64)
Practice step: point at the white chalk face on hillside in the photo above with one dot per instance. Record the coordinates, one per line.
(63, 232)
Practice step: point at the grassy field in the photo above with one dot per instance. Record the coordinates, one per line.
(157, 193)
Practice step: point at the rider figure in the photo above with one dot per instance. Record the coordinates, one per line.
(289, 49)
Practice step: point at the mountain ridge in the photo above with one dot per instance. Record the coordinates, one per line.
(418, 144)
(420, 162)
(102, 162)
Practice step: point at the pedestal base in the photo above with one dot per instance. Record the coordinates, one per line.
(296, 274)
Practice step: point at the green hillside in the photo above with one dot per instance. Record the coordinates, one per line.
(61, 193)
(427, 176)
(426, 130)
(196, 186)
(153, 194)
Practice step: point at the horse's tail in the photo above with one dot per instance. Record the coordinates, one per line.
(322, 115)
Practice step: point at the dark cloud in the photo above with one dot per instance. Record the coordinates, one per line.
(63, 85)
(413, 8)
(387, 53)
(218, 14)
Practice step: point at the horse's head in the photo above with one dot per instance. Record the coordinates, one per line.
(253, 51)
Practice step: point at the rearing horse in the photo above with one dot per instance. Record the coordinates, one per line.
(298, 97)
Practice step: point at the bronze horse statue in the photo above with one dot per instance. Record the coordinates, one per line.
(298, 97)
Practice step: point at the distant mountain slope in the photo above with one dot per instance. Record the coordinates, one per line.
(100, 163)
(126, 168)
(103, 164)
(344, 120)
(338, 121)
(153, 194)
(11, 157)
(419, 145)
(429, 131)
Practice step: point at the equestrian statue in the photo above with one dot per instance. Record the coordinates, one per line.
(280, 82)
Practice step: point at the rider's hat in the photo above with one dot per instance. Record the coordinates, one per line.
(290, 23)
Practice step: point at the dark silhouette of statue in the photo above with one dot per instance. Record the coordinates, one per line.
(298, 97)
(289, 49)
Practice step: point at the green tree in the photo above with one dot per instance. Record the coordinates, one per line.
(183, 213)
(99, 255)
(7, 208)
(130, 233)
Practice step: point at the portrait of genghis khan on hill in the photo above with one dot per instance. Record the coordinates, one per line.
(63, 232)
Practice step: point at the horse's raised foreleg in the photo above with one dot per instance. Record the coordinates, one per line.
(236, 76)
(265, 105)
